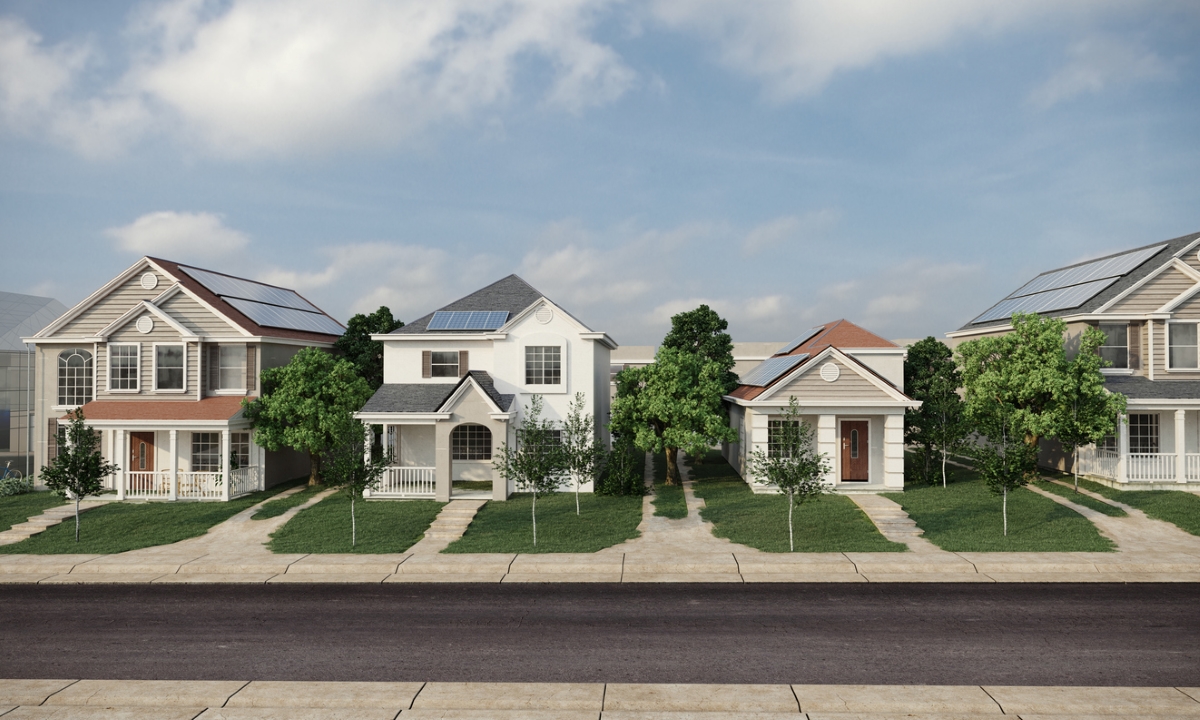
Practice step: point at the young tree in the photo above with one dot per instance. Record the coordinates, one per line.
(357, 346)
(1006, 461)
(1087, 412)
(939, 425)
(671, 404)
(582, 450)
(537, 461)
(303, 403)
(702, 332)
(348, 467)
(79, 469)
(792, 463)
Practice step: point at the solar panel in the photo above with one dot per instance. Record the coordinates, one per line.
(800, 340)
(287, 318)
(1114, 266)
(231, 287)
(1059, 299)
(768, 370)
(468, 319)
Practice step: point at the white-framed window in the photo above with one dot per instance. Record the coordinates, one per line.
(74, 377)
(1143, 432)
(776, 436)
(239, 450)
(470, 442)
(231, 367)
(206, 452)
(444, 364)
(1115, 349)
(543, 365)
(170, 367)
(1181, 339)
(124, 364)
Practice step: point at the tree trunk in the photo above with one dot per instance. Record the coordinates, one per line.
(76, 518)
(353, 524)
(1075, 468)
(577, 495)
(1005, 505)
(672, 466)
(791, 536)
(314, 473)
(534, 519)
(943, 468)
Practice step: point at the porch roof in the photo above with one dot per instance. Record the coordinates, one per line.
(1141, 388)
(429, 397)
(213, 408)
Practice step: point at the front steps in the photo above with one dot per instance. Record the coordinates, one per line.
(50, 518)
(453, 520)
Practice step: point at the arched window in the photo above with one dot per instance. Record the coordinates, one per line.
(470, 442)
(74, 377)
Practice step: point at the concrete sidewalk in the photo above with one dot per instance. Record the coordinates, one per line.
(263, 700)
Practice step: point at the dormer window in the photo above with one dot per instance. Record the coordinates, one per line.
(1115, 349)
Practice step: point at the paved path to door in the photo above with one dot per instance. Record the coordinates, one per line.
(1134, 533)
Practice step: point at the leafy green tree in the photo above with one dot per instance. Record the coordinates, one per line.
(623, 471)
(582, 450)
(702, 331)
(537, 461)
(348, 467)
(792, 463)
(304, 402)
(1087, 412)
(671, 404)
(357, 346)
(1006, 461)
(939, 426)
(79, 469)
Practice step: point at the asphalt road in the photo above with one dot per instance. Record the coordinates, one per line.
(891, 634)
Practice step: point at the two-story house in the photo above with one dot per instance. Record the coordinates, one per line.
(457, 381)
(160, 359)
(849, 385)
(1147, 303)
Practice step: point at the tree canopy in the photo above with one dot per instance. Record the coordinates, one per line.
(78, 469)
(357, 346)
(702, 331)
(792, 462)
(939, 425)
(304, 404)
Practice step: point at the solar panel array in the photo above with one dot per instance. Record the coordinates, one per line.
(468, 319)
(266, 305)
(800, 340)
(1069, 287)
(767, 371)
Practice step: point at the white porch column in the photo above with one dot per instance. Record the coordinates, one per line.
(893, 451)
(225, 486)
(1180, 447)
(827, 444)
(1123, 449)
(121, 458)
(174, 444)
(758, 438)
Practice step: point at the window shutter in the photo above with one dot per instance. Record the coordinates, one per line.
(1135, 346)
(214, 368)
(426, 363)
(462, 363)
(52, 440)
(251, 369)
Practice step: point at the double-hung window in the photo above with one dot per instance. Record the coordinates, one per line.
(1182, 351)
(444, 364)
(782, 436)
(123, 366)
(1115, 349)
(543, 365)
(169, 367)
(231, 362)
(206, 452)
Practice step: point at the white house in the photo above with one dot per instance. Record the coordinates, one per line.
(457, 381)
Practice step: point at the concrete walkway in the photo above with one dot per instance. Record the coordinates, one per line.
(448, 526)
(1134, 533)
(267, 700)
(51, 517)
(893, 523)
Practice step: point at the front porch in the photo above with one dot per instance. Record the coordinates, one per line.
(436, 461)
(154, 465)
(1153, 449)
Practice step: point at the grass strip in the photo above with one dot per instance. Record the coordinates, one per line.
(965, 516)
(16, 509)
(1080, 499)
(832, 523)
(124, 526)
(669, 501)
(277, 507)
(506, 527)
(384, 526)
(1181, 509)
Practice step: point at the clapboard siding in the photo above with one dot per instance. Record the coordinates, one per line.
(1155, 293)
(161, 334)
(197, 318)
(1161, 350)
(1188, 310)
(112, 306)
(849, 386)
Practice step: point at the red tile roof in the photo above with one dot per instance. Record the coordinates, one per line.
(213, 408)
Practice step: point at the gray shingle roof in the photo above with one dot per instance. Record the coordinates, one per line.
(1136, 275)
(511, 293)
(25, 316)
(429, 397)
(1140, 388)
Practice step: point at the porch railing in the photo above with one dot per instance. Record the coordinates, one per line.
(1191, 467)
(156, 485)
(245, 481)
(201, 486)
(406, 482)
(148, 485)
(1094, 461)
(1150, 467)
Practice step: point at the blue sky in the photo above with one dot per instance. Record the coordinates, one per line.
(903, 165)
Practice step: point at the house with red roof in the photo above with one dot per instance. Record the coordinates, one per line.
(849, 384)
(160, 359)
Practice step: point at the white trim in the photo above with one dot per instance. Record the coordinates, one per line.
(400, 418)
(1188, 247)
(461, 391)
(427, 336)
(234, 423)
(897, 350)
(1137, 285)
(1167, 348)
(563, 366)
(1186, 269)
(244, 332)
(146, 306)
(1179, 300)
(601, 338)
(154, 356)
(108, 367)
(1116, 371)
(96, 296)
(980, 331)
(848, 361)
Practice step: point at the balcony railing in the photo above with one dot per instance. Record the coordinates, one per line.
(405, 482)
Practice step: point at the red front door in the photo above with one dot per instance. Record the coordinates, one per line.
(141, 451)
(855, 445)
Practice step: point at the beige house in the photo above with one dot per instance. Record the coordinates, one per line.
(1147, 303)
(160, 359)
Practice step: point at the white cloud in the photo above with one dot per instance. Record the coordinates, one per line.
(1095, 64)
(179, 236)
(789, 228)
(32, 77)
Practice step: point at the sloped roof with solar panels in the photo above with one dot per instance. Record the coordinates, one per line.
(1083, 287)
(24, 316)
(484, 310)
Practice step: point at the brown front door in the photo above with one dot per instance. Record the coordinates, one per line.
(854, 451)
(141, 451)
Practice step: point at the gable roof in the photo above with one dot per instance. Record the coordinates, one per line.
(23, 316)
(430, 397)
(509, 294)
(1093, 303)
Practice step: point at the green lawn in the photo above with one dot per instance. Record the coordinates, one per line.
(275, 508)
(669, 501)
(473, 485)
(832, 523)
(1179, 508)
(384, 526)
(123, 526)
(16, 509)
(966, 517)
(505, 527)
(1081, 499)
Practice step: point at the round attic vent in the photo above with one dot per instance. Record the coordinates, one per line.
(145, 324)
(149, 281)
(544, 314)
(830, 372)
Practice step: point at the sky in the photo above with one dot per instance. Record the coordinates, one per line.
(788, 162)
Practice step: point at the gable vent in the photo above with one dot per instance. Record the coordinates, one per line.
(830, 372)
(544, 315)
(145, 324)
(149, 281)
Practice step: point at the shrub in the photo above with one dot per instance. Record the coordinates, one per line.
(623, 472)
(15, 486)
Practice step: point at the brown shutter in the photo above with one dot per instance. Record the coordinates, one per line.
(251, 369)
(463, 365)
(51, 440)
(214, 368)
(426, 363)
(1135, 346)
